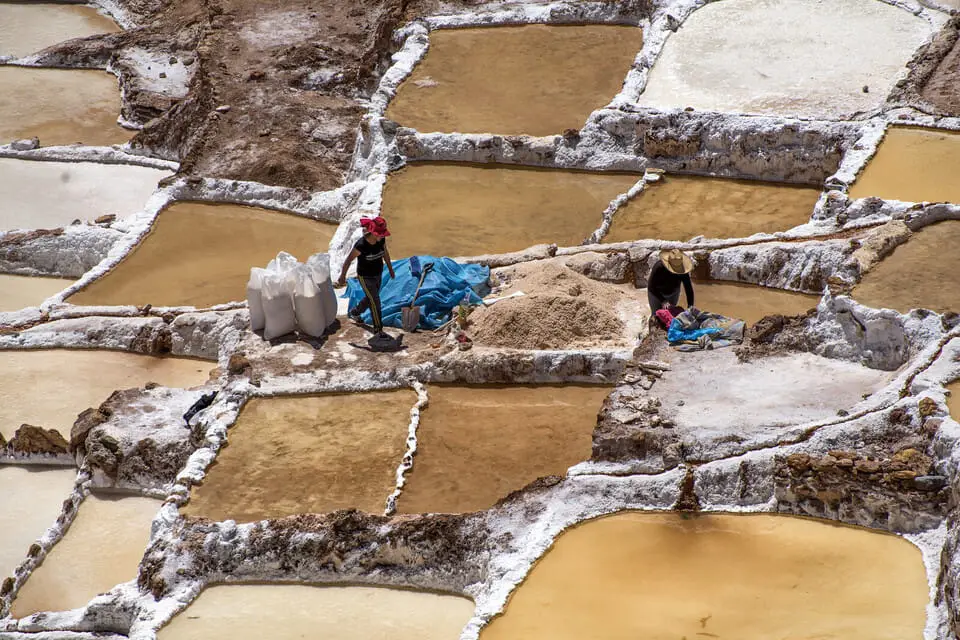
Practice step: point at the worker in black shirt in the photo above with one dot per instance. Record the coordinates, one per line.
(370, 251)
(663, 285)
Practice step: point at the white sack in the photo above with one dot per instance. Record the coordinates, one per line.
(279, 316)
(254, 299)
(319, 265)
(307, 303)
(283, 263)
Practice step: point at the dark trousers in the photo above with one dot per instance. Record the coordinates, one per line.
(656, 300)
(371, 288)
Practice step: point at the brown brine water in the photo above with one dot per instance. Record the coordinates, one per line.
(102, 548)
(49, 388)
(919, 274)
(476, 444)
(682, 207)
(468, 209)
(200, 255)
(60, 106)
(307, 454)
(294, 612)
(19, 292)
(534, 79)
(913, 165)
(27, 28)
(749, 302)
(671, 576)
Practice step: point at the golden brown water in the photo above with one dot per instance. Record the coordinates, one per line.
(287, 612)
(535, 80)
(49, 388)
(477, 444)
(28, 28)
(953, 402)
(682, 207)
(46, 195)
(307, 454)
(466, 210)
(30, 501)
(913, 165)
(919, 274)
(18, 292)
(750, 302)
(663, 577)
(102, 549)
(60, 106)
(201, 254)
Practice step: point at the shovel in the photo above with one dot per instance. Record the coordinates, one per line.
(410, 316)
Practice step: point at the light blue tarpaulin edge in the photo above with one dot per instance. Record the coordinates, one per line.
(443, 289)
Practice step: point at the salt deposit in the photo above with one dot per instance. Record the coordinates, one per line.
(17, 292)
(27, 28)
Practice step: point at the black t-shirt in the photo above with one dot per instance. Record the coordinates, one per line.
(370, 260)
(664, 283)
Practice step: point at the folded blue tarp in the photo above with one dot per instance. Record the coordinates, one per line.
(443, 289)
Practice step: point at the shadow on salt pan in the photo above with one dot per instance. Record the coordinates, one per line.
(102, 548)
(785, 57)
(200, 255)
(919, 274)
(667, 576)
(307, 454)
(682, 207)
(60, 106)
(28, 28)
(46, 195)
(287, 612)
(19, 292)
(534, 79)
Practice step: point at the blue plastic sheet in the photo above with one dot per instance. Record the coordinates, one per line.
(677, 334)
(444, 288)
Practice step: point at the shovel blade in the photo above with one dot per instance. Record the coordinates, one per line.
(410, 318)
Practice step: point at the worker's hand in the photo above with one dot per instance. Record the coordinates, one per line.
(341, 282)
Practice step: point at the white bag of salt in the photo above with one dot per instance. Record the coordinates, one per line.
(283, 263)
(279, 316)
(307, 303)
(254, 300)
(319, 264)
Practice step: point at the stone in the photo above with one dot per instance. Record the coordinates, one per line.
(26, 144)
(928, 406)
(224, 108)
(30, 439)
(930, 483)
(238, 364)
(867, 466)
(798, 461)
(906, 474)
(162, 75)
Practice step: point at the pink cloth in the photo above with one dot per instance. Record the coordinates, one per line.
(666, 316)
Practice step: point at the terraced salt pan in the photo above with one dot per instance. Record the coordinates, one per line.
(670, 576)
(466, 210)
(102, 548)
(28, 28)
(60, 106)
(920, 274)
(285, 612)
(785, 57)
(537, 80)
(18, 292)
(308, 454)
(30, 502)
(47, 195)
(49, 388)
(953, 402)
(477, 444)
(913, 165)
(201, 254)
(750, 302)
(682, 207)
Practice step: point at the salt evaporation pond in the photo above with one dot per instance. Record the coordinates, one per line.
(30, 502)
(749, 302)
(49, 388)
(288, 612)
(682, 207)
(60, 106)
(476, 444)
(200, 255)
(307, 454)
(660, 576)
(913, 165)
(953, 402)
(536, 80)
(785, 57)
(28, 28)
(102, 548)
(18, 292)
(47, 195)
(467, 210)
(919, 274)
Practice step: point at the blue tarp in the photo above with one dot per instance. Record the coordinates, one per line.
(676, 332)
(443, 289)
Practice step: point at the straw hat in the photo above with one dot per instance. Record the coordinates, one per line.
(676, 261)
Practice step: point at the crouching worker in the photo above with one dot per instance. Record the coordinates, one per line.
(666, 276)
(370, 251)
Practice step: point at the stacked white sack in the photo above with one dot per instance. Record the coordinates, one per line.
(277, 285)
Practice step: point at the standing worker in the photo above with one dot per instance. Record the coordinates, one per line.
(663, 285)
(370, 251)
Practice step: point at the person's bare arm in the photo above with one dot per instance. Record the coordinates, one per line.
(342, 280)
(386, 255)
